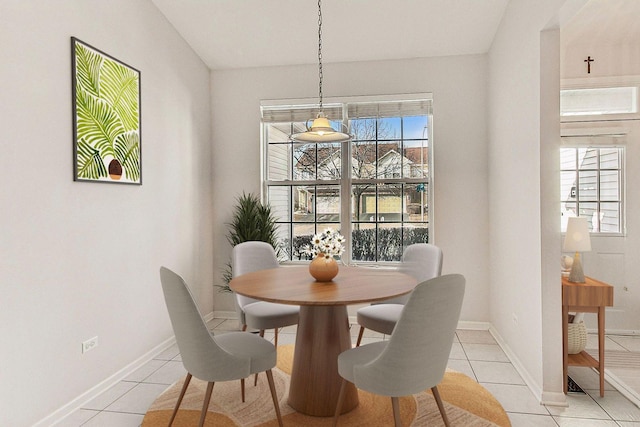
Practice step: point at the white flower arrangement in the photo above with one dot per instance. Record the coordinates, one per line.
(329, 243)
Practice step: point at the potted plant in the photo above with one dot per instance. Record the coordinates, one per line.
(252, 221)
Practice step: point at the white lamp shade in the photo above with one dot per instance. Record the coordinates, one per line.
(321, 131)
(577, 238)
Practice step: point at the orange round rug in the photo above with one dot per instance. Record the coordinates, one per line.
(467, 404)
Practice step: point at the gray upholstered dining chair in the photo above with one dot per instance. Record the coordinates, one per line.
(248, 257)
(415, 357)
(423, 261)
(225, 357)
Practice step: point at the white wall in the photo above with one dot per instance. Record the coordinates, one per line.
(81, 259)
(458, 85)
(525, 285)
(619, 59)
(612, 259)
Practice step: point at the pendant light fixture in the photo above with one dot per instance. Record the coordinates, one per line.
(321, 130)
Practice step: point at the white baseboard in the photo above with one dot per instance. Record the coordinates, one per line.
(545, 398)
(554, 399)
(77, 403)
(608, 331)
(95, 391)
(224, 315)
(619, 385)
(474, 326)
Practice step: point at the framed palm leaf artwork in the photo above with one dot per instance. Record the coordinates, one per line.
(106, 117)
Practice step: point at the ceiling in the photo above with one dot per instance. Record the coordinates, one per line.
(613, 22)
(229, 34)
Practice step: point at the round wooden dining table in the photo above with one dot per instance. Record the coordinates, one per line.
(323, 327)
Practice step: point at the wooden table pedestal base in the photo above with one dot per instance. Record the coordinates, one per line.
(323, 333)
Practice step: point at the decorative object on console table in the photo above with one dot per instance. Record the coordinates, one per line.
(577, 240)
(576, 337)
(324, 248)
(566, 262)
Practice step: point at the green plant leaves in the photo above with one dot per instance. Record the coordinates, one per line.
(127, 148)
(119, 88)
(252, 221)
(89, 162)
(98, 124)
(88, 65)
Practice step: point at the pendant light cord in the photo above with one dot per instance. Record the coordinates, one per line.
(320, 52)
(321, 129)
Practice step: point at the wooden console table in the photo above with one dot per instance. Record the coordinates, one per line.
(589, 297)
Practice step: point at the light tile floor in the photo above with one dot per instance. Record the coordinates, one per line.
(622, 362)
(474, 353)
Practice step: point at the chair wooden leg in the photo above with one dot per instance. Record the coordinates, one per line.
(242, 389)
(255, 382)
(360, 336)
(205, 404)
(395, 404)
(341, 394)
(255, 379)
(274, 396)
(182, 392)
(436, 395)
(275, 331)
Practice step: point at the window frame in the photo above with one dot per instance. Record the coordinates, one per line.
(572, 141)
(591, 83)
(346, 182)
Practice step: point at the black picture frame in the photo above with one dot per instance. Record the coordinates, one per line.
(107, 117)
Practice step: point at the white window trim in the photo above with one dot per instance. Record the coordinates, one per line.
(601, 82)
(345, 213)
(602, 131)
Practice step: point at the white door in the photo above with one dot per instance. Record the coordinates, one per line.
(614, 257)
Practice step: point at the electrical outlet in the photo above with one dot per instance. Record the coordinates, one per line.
(89, 344)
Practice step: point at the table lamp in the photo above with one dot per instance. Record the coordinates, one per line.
(577, 240)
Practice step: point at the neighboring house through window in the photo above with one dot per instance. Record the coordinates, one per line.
(591, 186)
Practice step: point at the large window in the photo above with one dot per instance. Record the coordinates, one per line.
(374, 189)
(591, 186)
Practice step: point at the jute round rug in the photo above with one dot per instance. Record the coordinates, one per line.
(467, 404)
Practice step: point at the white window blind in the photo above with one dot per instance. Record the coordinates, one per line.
(599, 101)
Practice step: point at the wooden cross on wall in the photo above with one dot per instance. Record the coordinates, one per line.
(589, 60)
